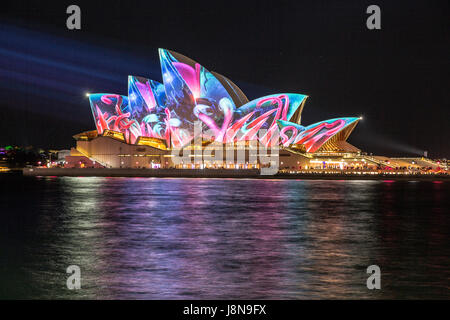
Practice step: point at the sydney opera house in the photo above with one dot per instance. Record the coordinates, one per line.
(141, 129)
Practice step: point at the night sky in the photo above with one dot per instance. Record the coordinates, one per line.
(397, 78)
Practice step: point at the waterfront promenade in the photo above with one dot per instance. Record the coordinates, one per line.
(231, 173)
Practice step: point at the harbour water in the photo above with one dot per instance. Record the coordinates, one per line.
(162, 238)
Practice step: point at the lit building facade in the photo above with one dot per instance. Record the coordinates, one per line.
(141, 129)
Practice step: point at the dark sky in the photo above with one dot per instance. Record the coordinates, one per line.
(396, 77)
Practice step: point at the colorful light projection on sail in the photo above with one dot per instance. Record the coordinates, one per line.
(111, 112)
(314, 136)
(263, 113)
(193, 93)
(147, 100)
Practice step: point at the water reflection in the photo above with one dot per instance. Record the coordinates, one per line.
(153, 238)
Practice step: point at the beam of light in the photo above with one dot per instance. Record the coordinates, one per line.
(81, 54)
(401, 147)
(37, 67)
(397, 148)
(51, 63)
(28, 82)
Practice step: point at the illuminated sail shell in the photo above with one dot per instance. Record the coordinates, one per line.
(239, 98)
(193, 94)
(147, 102)
(314, 136)
(288, 131)
(263, 113)
(112, 112)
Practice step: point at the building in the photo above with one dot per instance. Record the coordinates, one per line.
(145, 127)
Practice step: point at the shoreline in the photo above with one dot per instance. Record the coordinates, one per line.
(222, 173)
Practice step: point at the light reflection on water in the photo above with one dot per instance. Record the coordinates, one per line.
(148, 238)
